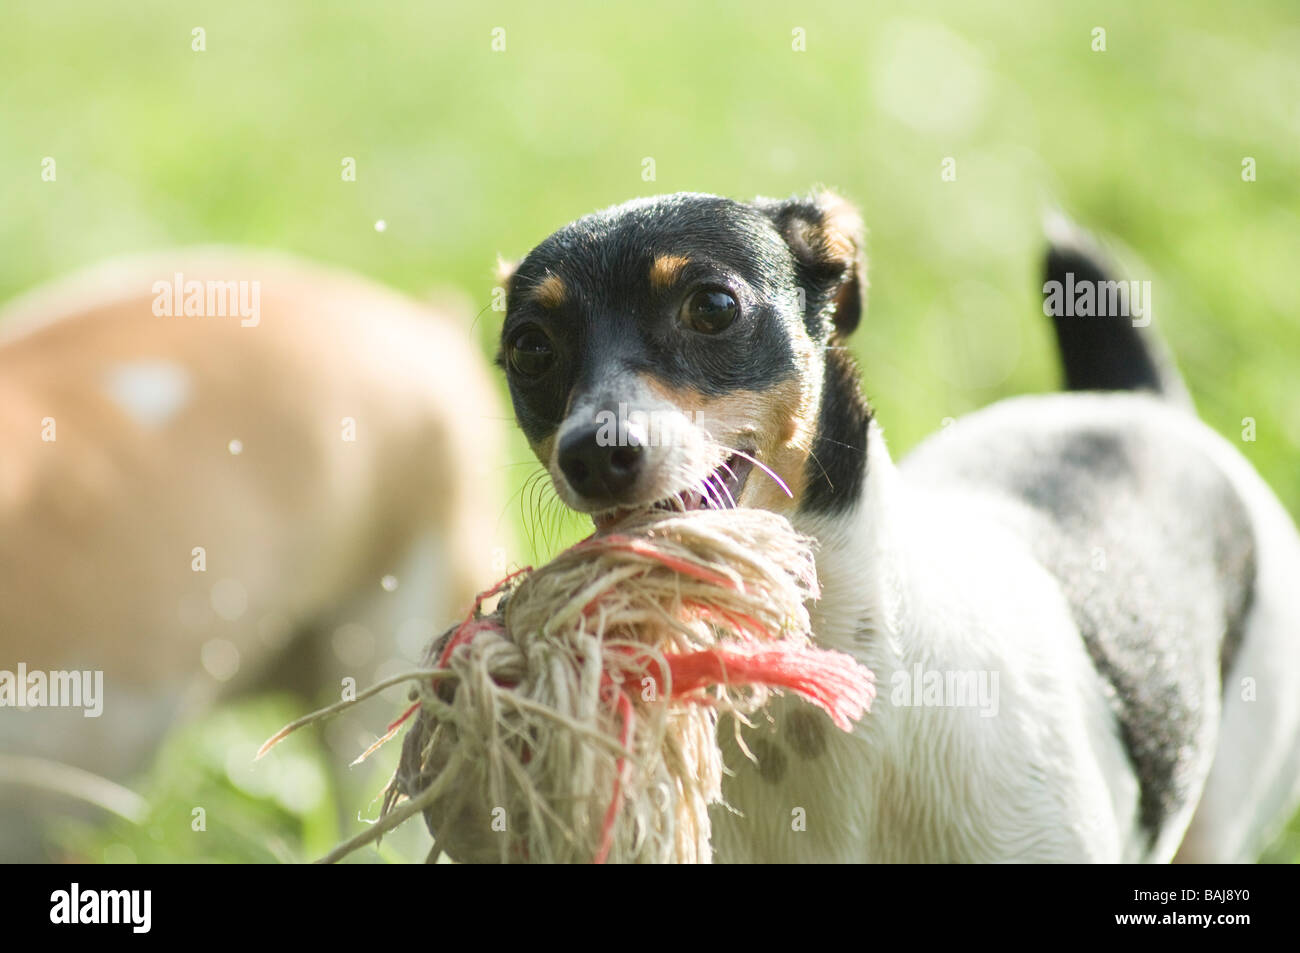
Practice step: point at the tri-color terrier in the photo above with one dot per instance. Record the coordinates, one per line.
(1116, 572)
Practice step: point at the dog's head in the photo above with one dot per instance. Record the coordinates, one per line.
(672, 351)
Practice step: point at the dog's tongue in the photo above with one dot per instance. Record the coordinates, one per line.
(731, 476)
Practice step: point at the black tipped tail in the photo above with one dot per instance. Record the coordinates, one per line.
(1101, 322)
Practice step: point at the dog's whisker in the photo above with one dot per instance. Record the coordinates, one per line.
(722, 485)
(821, 467)
(710, 495)
(534, 485)
(711, 491)
(762, 466)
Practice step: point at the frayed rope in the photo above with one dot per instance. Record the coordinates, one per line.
(578, 720)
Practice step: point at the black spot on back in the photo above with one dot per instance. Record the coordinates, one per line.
(1154, 551)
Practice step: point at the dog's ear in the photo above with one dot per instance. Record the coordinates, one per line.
(505, 271)
(825, 235)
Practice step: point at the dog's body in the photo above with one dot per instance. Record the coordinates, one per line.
(1100, 554)
(193, 504)
(1076, 605)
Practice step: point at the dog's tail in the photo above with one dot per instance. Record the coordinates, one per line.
(1101, 329)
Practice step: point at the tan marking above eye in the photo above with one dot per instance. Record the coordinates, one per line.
(666, 269)
(550, 292)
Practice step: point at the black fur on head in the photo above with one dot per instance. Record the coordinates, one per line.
(625, 292)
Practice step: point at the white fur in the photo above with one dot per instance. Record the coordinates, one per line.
(918, 578)
(910, 581)
(151, 392)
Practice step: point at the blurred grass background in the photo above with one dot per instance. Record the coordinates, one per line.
(464, 152)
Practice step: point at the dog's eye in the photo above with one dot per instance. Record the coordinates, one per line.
(709, 310)
(530, 352)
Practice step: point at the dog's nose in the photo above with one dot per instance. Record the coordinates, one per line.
(598, 470)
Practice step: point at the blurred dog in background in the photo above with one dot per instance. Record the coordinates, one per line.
(222, 470)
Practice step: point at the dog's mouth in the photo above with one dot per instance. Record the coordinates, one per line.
(719, 490)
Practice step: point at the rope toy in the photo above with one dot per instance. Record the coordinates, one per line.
(577, 720)
(582, 725)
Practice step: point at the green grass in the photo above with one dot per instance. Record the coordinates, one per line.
(465, 152)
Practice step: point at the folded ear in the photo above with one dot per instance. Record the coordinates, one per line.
(505, 270)
(825, 235)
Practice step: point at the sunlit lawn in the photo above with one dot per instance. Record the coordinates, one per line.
(464, 152)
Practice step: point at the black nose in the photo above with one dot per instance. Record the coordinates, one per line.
(600, 472)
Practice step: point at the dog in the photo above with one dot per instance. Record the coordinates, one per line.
(224, 470)
(1109, 578)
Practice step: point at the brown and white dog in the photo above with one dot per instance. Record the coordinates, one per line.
(219, 468)
(1080, 606)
